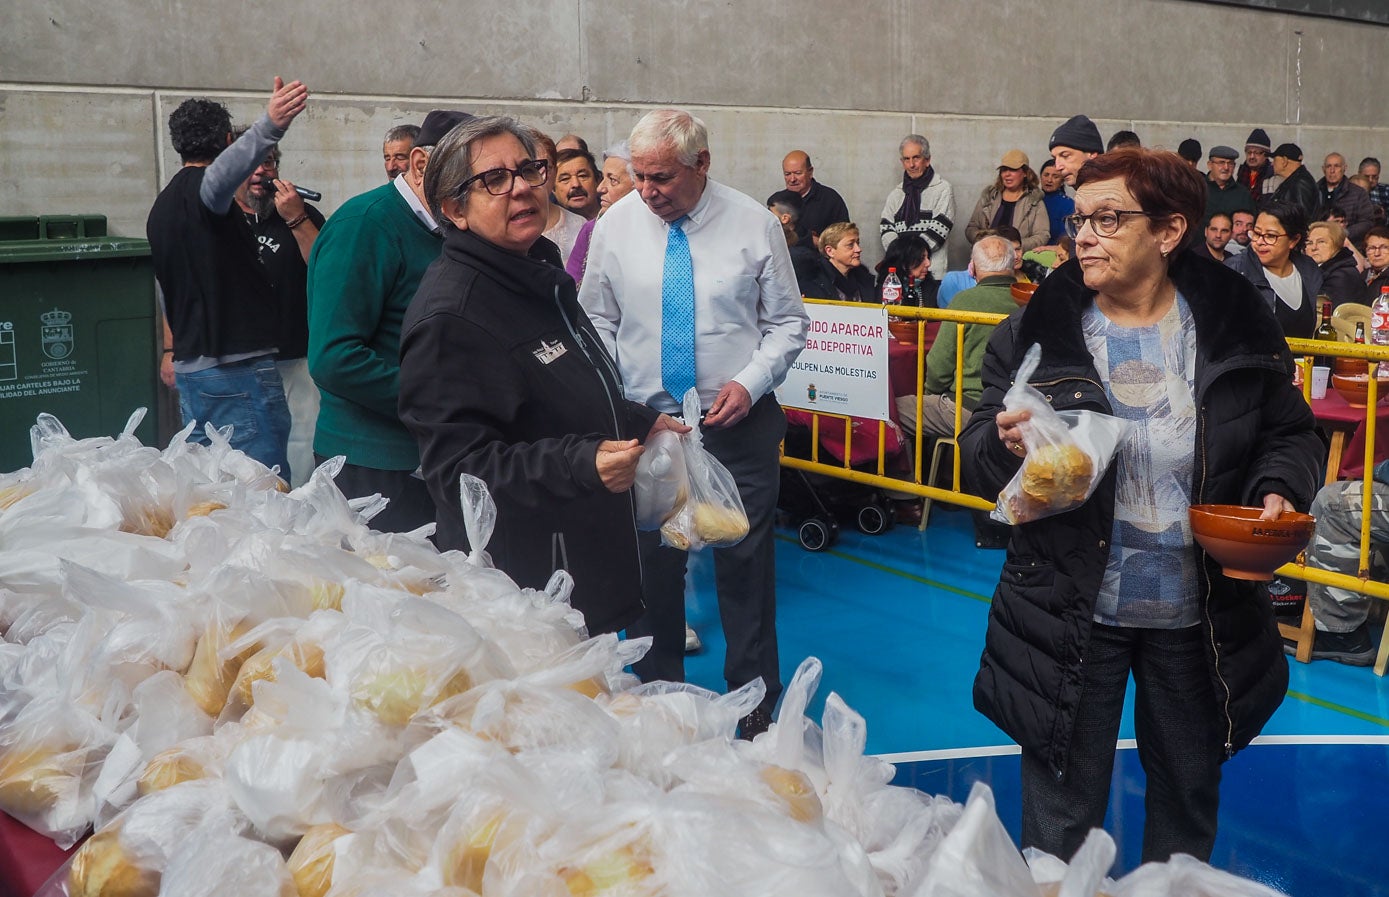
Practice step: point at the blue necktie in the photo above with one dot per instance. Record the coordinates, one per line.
(677, 315)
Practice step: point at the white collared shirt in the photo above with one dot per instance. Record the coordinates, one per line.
(750, 321)
(415, 205)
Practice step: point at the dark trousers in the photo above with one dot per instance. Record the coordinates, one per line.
(745, 573)
(410, 507)
(1180, 744)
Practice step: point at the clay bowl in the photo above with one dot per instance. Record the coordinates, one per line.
(903, 331)
(1355, 388)
(1022, 292)
(1243, 545)
(1349, 367)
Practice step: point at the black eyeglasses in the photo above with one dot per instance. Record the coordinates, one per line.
(498, 181)
(1105, 223)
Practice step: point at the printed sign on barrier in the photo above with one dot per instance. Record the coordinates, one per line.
(843, 369)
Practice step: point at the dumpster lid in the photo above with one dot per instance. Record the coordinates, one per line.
(72, 250)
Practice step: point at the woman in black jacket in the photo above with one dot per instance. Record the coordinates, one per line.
(1288, 280)
(1188, 352)
(1341, 280)
(502, 377)
(841, 265)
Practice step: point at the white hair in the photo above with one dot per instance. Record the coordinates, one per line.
(674, 127)
(621, 150)
(992, 255)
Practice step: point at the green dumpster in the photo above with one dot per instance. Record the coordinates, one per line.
(77, 330)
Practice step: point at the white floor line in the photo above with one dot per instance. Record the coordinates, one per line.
(1124, 744)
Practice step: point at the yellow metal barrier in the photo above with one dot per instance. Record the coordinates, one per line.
(1306, 349)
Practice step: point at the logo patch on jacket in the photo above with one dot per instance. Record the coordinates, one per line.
(549, 351)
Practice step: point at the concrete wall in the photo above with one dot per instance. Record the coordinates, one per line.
(85, 88)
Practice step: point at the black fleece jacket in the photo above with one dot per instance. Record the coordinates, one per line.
(1254, 436)
(503, 377)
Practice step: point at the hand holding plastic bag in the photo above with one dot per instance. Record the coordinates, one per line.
(713, 515)
(1068, 453)
(662, 485)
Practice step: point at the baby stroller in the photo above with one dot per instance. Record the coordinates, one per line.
(817, 505)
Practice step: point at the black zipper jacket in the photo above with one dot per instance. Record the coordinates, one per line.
(1254, 436)
(502, 377)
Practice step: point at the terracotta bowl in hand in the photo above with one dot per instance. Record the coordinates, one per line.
(1355, 388)
(1245, 546)
(1022, 292)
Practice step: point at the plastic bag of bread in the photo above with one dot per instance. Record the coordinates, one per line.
(662, 483)
(1067, 453)
(217, 861)
(129, 857)
(50, 755)
(713, 515)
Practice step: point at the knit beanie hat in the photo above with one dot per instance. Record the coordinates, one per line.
(1078, 132)
(1258, 138)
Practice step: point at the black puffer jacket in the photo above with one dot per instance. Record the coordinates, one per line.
(503, 377)
(1254, 436)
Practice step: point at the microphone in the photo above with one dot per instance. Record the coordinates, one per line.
(306, 193)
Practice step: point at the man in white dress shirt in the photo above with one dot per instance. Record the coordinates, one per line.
(680, 234)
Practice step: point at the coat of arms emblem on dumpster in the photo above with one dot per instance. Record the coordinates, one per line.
(57, 334)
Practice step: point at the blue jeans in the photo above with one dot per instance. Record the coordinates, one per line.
(248, 395)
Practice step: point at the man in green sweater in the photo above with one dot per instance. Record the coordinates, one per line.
(991, 261)
(365, 267)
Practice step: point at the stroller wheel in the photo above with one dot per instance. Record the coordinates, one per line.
(873, 519)
(817, 534)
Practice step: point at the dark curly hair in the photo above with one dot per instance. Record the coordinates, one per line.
(199, 129)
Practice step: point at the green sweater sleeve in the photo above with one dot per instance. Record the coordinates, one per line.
(940, 361)
(353, 271)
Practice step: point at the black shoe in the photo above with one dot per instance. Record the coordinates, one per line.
(754, 724)
(1352, 648)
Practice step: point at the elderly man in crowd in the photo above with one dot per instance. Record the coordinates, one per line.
(1256, 172)
(1335, 189)
(1072, 144)
(992, 259)
(1379, 193)
(923, 204)
(693, 287)
(1298, 187)
(1223, 192)
(395, 149)
(365, 268)
(821, 206)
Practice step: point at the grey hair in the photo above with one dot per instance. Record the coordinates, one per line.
(919, 141)
(659, 127)
(402, 132)
(450, 163)
(621, 150)
(992, 255)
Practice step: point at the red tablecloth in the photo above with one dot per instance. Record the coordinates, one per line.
(1334, 413)
(27, 859)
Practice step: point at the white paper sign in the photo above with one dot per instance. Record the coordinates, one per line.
(843, 369)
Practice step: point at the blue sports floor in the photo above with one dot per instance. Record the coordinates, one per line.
(898, 620)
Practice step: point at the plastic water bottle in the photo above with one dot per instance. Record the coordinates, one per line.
(892, 295)
(1379, 318)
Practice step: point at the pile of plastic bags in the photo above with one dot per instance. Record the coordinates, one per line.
(247, 691)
